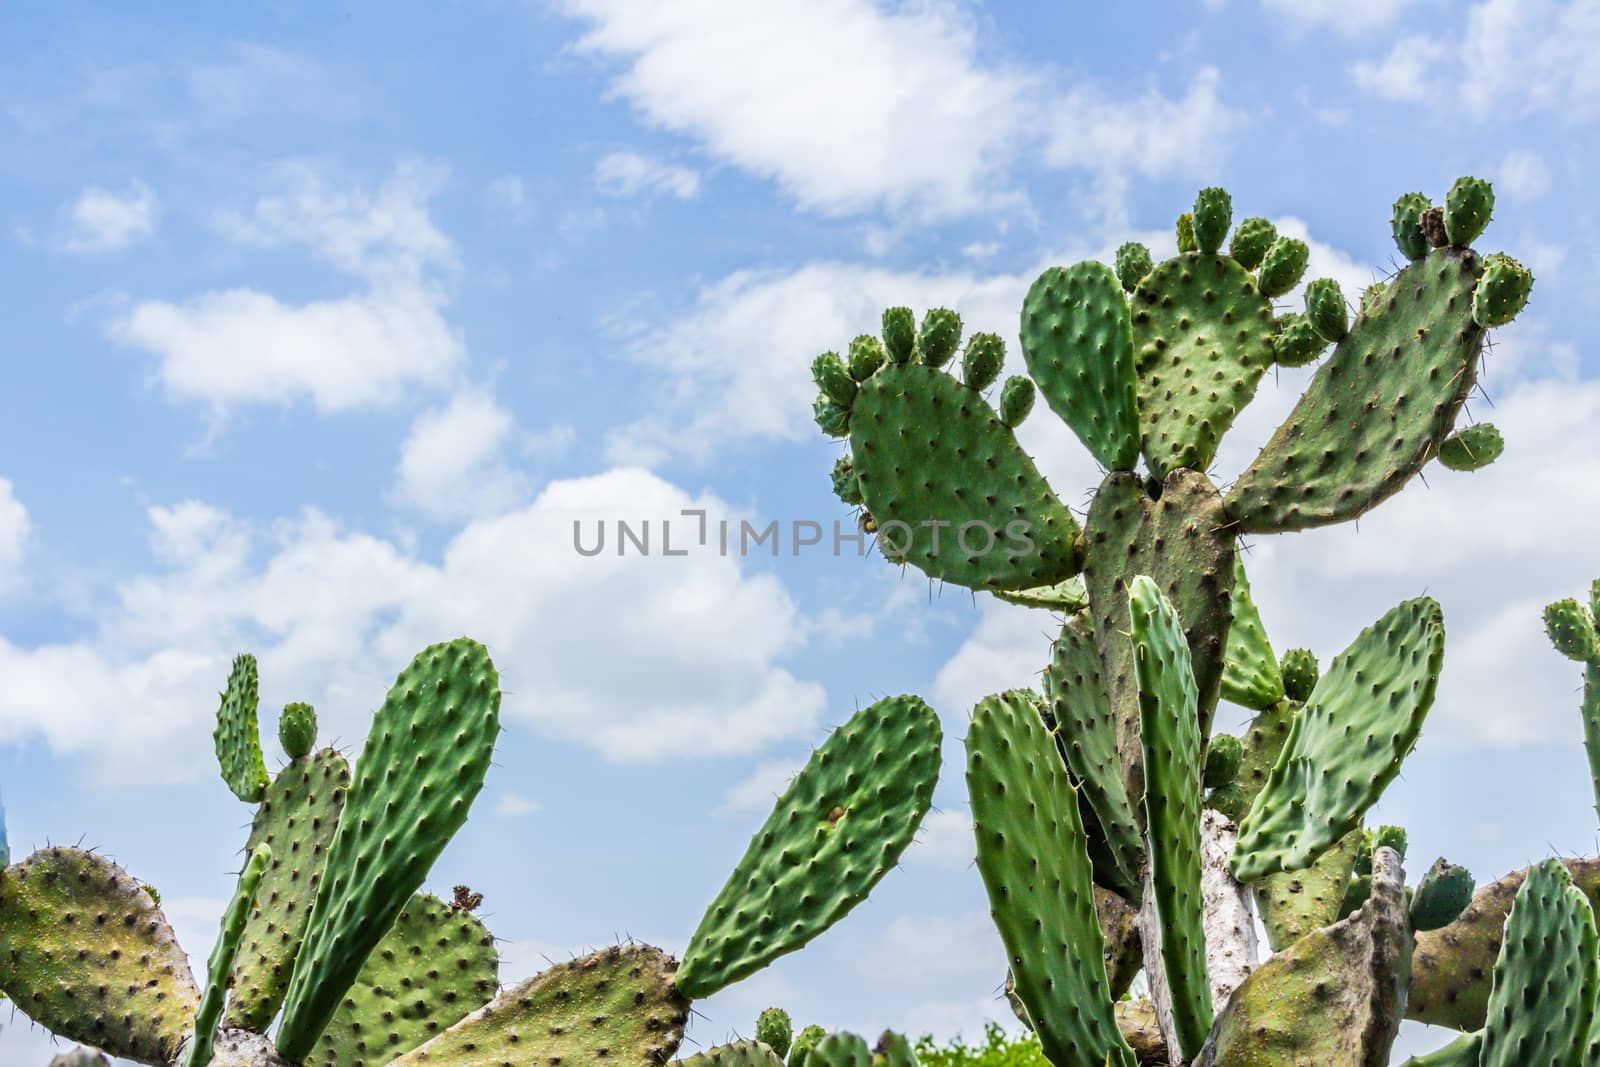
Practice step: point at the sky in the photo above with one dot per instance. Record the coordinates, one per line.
(322, 327)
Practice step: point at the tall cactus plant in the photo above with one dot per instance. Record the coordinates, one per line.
(1150, 365)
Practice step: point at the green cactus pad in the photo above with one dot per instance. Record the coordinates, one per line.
(1467, 210)
(1077, 339)
(775, 1030)
(1186, 241)
(1374, 297)
(828, 372)
(736, 1054)
(840, 1050)
(1181, 541)
(297, 730)
(297, 819)
(981, 362)
(1571, 629)
(836, 831)
(1170, 729)
(927, 450)
(424, 763)
(1377, 407)
(1346, 745)
(1441, 897)
(1067, 596)
(1213, 214)
(1333, 997)
(1464, 1051)
(1223, 756)
(804, 1042)
(939, 337)
(202, 1042)
(1250, 675)
(1282, 267)
(1251, 239)
(1503, 292)
(866, 355)
(1202, 337)
(86, 953)
(1300, 673)
(618, 1006)
(1086, 734)
(237, 736)
(845, 485)
(1546, 977)
(435, 965)
(899, 337)
(1406, 224)
(830, 418)
(1133, 263)
(1034, 860)
(1472, 448)
(1016, 400)
(1450, 974)
(893, 1050)
(1297, 342)
(1326, 310)
(1294, 903)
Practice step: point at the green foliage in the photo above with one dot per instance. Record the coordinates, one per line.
(998, 1049)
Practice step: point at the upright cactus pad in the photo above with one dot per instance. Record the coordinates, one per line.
(1406, 224)
(86, 952)
(1546, 978)
(952, 491)
(1251, 239)
(1333, 997)
(297, 730)
(1086, 734)
(1464, 1051)
(836, 831)
(841, 1050)
(618, 1006)
(1503, 292)
(1467, 210)
(1378, 407)
(297, 818)
(806, 1040)
(1034, 859)
(1077, 339)
(1442, 895)
(735, 1054)
(1346, 745)
(775, 1030)
(1170, 729)
(1202, 338)
(434, 966)
(1294, 903)
(423, 764)
(1250, 675)
(238, 736)
(203, 1041)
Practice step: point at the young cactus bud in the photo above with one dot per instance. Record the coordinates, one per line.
(1223, 757)
(1297, 342)
(1251, 241)
(1390, 837)
(1444, 893)
(1213, 214)
(865, 357)
(804, 1042)
(1502, 292)
(1282, 267)
(1373, 297)
(1133, 263)
(297, 730)
(981, 363)
(939, 337)
(1472, 448)
(1467, 210)
(1016, 400)
(832, 419)
(846, 484)
(1406, 225)
(774, 1030)
(1326, 310)
(1186, 241)
(1229, 799)
(899, 333)
(827, 370)
(1571, 629)
(1300, 672)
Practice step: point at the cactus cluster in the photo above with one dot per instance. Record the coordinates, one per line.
(329, 936)
(1114, 783)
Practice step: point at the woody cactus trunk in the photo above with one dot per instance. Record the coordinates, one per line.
(1112, 820)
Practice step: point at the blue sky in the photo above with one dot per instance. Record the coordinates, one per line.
(321, 329)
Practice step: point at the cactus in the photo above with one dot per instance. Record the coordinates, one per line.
(238, 738)
(1441, 897)
(804, 1042)
(736, 1054)
(775, 1030)
(203, 1042)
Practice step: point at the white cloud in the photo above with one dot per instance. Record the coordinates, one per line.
(760, 788)
(1403, 73)
(633, 173)
(903, 114)
(15, 527)
(513, 805)
(242, 346)
(1342, 16)
(102, 221)
(945, 839)
(1008, 649)
(1522, 175)
(452, 462)
(332, 615)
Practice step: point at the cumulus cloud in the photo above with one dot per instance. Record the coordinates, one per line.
(761, 787)
(359, 350)
(102, 221)
(453, 463)
(333, 614)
